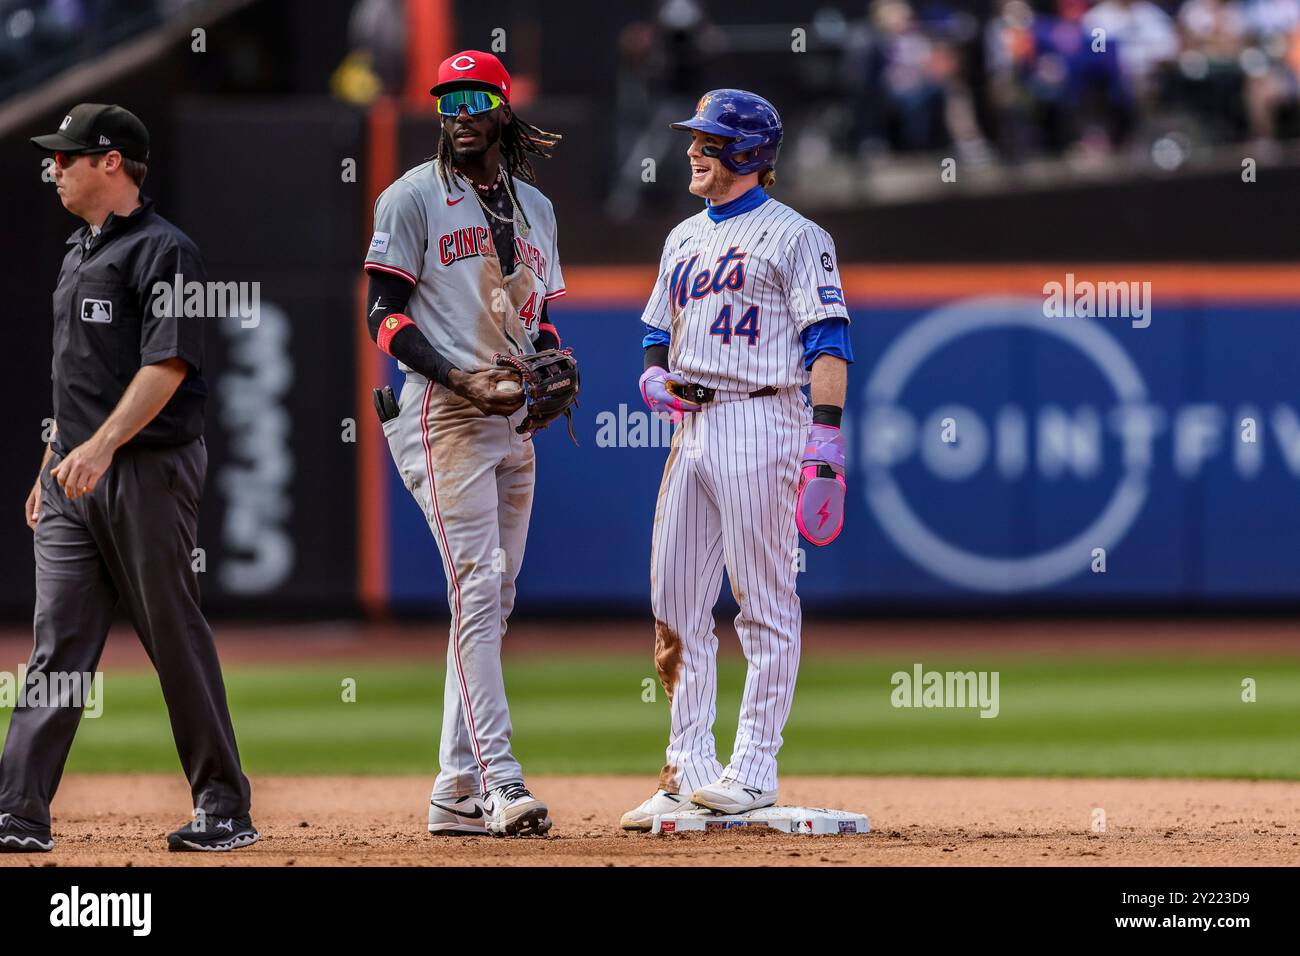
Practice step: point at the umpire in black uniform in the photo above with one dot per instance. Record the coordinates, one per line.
(115, 505)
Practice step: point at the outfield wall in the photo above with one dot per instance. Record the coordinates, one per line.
(1070, 435)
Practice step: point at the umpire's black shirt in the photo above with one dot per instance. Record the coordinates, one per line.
(106, 327)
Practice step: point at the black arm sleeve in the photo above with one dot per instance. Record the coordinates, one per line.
(389, 295)
(546, 339)
(656, 355)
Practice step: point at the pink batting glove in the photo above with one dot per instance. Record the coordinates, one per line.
(656, 388)
(819, 512)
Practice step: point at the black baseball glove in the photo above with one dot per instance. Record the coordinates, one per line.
(550, 380)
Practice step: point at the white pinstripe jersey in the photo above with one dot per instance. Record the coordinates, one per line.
(440, 240)
(735, 295)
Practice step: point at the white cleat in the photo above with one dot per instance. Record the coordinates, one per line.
(643, 817)
(510, 810)
(729, 796)
(457, 815)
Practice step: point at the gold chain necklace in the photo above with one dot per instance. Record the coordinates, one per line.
(518, 220)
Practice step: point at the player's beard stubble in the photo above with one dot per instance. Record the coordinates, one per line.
(473, 155)
(716, 185)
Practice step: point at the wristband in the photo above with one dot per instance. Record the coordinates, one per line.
(389, 328)
(827, 415)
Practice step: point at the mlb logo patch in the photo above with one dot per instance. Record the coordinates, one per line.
(830, 295)
(379, 243)
(97, 310)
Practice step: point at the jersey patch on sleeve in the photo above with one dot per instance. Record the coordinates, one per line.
(379, 242)
(830, 295)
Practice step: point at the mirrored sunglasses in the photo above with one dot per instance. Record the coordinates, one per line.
(476, 101)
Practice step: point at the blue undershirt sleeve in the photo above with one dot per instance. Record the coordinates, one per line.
(827, 337)
(655, 336)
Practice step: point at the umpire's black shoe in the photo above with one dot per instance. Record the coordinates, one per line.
(23, 836)
(214, 834)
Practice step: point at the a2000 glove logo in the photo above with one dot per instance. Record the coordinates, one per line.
(923, 544)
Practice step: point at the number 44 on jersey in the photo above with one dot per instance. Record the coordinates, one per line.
(746, 328)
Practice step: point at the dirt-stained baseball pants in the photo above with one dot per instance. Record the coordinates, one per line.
(131, 542)
(472, 476)
(727, 500)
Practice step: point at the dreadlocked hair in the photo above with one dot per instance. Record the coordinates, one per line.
(518, 140)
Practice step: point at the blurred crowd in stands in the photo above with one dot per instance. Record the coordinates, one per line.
(988, 80)
(1050, 76)
(984, 80)
(38, 38)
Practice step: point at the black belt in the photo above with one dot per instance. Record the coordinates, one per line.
(702, 394)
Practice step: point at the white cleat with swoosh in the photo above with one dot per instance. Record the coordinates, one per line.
(730, 796)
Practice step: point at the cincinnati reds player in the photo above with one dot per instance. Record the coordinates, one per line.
(748, 308)
(461, 265)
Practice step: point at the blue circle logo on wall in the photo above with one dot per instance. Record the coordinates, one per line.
(943, 457)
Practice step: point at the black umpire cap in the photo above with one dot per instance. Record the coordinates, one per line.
(97, 128)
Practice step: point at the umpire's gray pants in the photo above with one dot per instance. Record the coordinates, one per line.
(130, 541)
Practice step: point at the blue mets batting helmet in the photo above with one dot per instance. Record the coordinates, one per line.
(749, 121)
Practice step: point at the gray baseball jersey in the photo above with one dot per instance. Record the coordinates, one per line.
(736, 294)
(472, 475)
(439, 240)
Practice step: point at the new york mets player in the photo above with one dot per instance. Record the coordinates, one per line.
(748, 308)
(461, 265)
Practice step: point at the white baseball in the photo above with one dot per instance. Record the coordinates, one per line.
(508, 385)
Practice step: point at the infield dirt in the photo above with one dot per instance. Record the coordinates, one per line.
(113, 820)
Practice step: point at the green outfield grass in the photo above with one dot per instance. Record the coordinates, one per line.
(572, 714)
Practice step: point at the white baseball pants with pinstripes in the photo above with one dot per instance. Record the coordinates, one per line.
(728, 500)
(472, 476)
